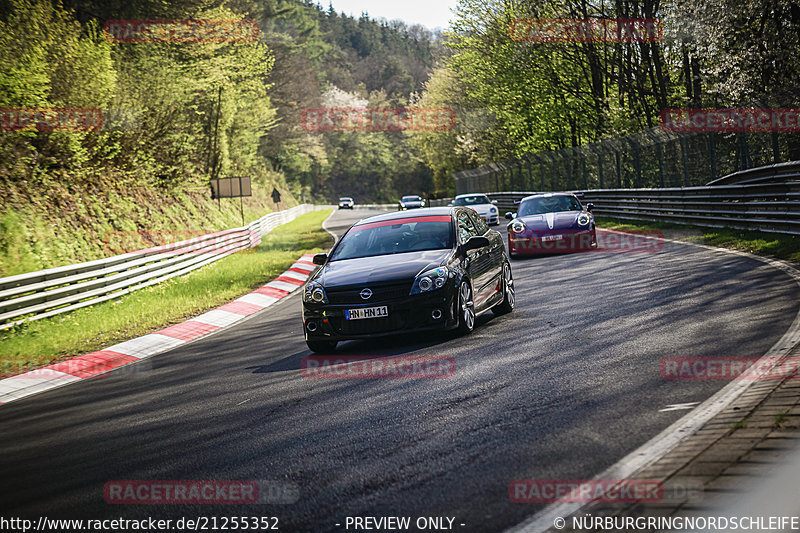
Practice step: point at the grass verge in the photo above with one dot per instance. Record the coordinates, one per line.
(42, 342)
(776, 245)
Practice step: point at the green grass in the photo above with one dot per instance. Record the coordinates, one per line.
(42, 342)
(786, 247)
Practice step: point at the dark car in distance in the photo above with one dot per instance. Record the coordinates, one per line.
(430, 269)
(551, 223)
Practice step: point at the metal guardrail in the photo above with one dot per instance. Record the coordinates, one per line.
(763, 199)
(777, 173)
(45, 293)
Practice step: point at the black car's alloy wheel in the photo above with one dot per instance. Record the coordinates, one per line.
(322, 346)
(466, 308)
(507, 305)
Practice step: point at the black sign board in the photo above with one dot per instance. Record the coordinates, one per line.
(231, 187)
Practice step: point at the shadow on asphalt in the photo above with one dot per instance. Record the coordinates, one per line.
(379, 347)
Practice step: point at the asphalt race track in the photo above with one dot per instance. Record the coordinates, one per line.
(561, 389)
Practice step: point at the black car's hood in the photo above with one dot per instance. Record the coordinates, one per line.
(379, 269)
(551, 221)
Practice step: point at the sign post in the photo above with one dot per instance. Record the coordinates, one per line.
(235, 187)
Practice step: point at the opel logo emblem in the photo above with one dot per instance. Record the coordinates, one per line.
(366, 294)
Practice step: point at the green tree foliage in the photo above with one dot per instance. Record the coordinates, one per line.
(49, 60)
(553, 95)
(176, 115)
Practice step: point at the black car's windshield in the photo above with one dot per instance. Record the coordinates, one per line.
(411, 199)
(550, 204)
(477, 199)
(396, 237)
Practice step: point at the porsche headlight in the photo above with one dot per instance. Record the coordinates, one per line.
(493, 210)
(314, 293)
(517, 226)
(583, 219)
(430, 280)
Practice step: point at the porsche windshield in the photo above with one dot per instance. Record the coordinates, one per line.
(551, 204)
(396, 237)
(478, 199)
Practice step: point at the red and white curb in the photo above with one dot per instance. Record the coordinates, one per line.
(121, 354)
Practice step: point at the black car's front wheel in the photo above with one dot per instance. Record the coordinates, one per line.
(321, 346)
(509, 298)
(466, 308)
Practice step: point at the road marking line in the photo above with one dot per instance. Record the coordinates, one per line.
(679, 407)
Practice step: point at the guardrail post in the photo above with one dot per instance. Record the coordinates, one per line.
(684, 160)
(569, 173)
(583, 171)
(637, 162)
(776, 150)
(600, 168)
(712, 150)
(530, 173)
(541, 173)
(619, 168)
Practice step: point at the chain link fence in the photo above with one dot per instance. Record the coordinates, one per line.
(653, 158)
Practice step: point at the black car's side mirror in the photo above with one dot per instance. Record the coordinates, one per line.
(589, 207)
(320, 259)
(473, 243)
(509, 215)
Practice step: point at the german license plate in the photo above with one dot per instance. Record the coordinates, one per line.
(367, 312)
(546, 238)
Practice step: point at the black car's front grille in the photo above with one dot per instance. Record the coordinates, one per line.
(380, 294)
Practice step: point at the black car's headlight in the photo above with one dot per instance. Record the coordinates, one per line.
(314, 293)
(584, 219)
(517, 226)
(431, 280)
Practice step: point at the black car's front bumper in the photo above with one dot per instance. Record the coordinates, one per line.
(326, 322)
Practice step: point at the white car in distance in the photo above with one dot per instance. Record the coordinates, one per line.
(481, 204)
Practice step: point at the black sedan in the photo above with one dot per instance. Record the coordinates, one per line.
(430, 269)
